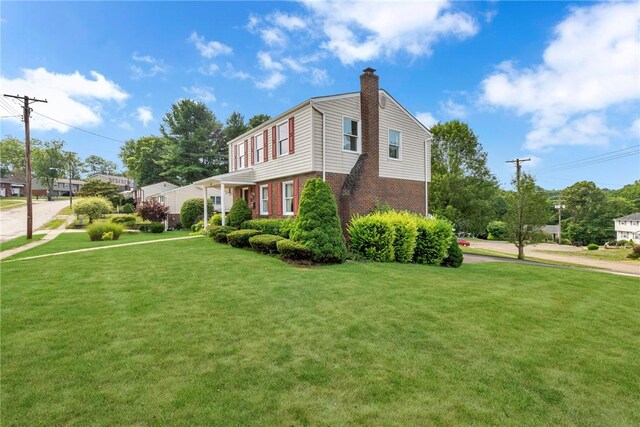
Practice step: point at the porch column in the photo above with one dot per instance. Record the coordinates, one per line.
(222, 203)
(206, 214)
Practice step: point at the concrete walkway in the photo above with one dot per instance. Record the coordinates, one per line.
(48, 236)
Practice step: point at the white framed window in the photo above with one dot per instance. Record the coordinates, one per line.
(350, 135)
(242, 158)
(394, 144)
(258, 148)
(264, 200)
(283, 138)
(216, 200)
(287, 198)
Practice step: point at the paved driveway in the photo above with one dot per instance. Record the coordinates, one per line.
(13, 222)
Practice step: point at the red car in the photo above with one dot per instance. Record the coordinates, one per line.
(463, 242)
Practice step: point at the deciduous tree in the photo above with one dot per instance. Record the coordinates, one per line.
(99, 165)
(48, 163)
(143, 159)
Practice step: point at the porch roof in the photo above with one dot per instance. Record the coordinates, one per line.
(231, 179)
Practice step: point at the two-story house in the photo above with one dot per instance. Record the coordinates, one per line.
(366, 145)
(122, 182)
(628, 227)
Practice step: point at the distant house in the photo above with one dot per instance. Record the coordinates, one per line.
(10, 186)
(123, 183)
(552, 230)
(149, 191)
(368, 147)
(60, 187)
(174, 199)
(628, 227)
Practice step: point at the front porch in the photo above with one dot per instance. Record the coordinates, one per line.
(226, 183)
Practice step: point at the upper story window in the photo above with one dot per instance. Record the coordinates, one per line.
(623, 222)
(258, 148)
(283, 139)
(394, 144)
(264, 200)
(287, 198)
(351, 135)
(242, 158)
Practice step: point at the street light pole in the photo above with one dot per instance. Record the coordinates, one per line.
(559, 207)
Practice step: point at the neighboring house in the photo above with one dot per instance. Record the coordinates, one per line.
(366, 145)
(60, 187)
(149, 191)
(628, 227)
(10, 186)
(552, 230)
(123, 183)
(174, 199)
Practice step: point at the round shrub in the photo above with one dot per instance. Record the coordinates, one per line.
(318, 225)
(153, 210)
(293, 250)
(127, 220)
(152, 227)
(433, 239)
(219, 232)
(192, 210)
(593, 247)
(635, 252)
(406, 231)
(97, 231)
(240, 238)
(372, 237)
(265, 243)
(497, 230)
(566, 241)
(454, 256)
(216, 219)
(127, 208)
(238, 214)
(92, 207)
(107, 236)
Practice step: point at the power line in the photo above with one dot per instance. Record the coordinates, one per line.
(80, 129)
(8, 107)
(611, 155)
(589, 163)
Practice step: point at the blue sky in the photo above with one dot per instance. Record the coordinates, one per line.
(554, 81)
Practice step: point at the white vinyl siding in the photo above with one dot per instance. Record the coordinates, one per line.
(395, 139)
(264, 200)
(287, 198)
(258, 148)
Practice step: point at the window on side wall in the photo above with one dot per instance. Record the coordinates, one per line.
(216, 200)
(264, 200)
(258, 148)
(351, 135)
(287, 198)
(394, 144)
(283, 139)
(242, 159)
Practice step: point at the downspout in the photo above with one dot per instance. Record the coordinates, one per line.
(222, 208)
(426, 178)
(324, 141)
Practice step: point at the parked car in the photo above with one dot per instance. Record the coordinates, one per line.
(463, 242)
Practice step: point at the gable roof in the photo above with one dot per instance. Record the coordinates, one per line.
(632, 217)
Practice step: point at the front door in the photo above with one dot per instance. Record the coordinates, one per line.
(245, 195)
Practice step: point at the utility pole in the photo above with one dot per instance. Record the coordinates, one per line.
(519, 236)
(559, 206)
(26, 113)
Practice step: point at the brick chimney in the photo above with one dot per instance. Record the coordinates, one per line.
(370, 115)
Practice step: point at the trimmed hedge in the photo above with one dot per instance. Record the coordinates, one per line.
(372, 237)
(265, 243)
(216, 219)
(454, 256)
(318, 225)
(219, 232)
(127, 208)
(152, 227)
(238, 214)
(97, 231)
(406, 231)
(293, 250)
(593, 247)
(128, 221)
(277, 227)
(240, 238)
(433, 240)
(192, 210)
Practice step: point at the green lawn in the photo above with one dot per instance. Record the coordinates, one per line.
(192, 332)
(19, 241)
(14, 202)
(601, 254)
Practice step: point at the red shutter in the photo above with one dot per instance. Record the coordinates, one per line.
(246, 153)
(274, 139)
(270, 201)
(251, 150)
(257, 199)
(235, 157)
(291, 142)
(265, 140)
(296, 195)
(279, 199)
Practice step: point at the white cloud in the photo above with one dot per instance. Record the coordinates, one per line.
(209, 49)
(590, 65)
(272, 81)
(453, 109)
(294, 65)
(426, 119)
(363, 31)
(231, 73)
(289, 22)
(72, 98)
(209, 70)
(201, 93)
(273, 37)
(320, 77)
(144, 114)
(635, 128)
(147, 66)
(534, 161)
(267, 63)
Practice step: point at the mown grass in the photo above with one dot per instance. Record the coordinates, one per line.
(601, 254)
(19, 241)
(196, 333)
(80, 240)
(6, 204)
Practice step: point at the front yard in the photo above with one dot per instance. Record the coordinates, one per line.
(191, 332)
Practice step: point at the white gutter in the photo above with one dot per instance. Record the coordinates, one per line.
(426, 176)
(324, 141)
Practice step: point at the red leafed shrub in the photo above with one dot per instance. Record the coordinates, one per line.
(153, 211)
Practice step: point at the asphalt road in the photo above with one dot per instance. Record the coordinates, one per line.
(13, 222)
